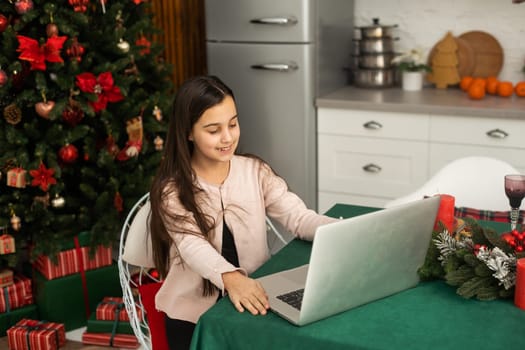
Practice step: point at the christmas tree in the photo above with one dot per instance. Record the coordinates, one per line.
(83, 91)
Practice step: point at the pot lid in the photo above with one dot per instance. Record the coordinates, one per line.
(375, 24)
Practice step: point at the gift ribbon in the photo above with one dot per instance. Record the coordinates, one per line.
(115, 324)
(6, 297)
(82, 276)
(37, 327)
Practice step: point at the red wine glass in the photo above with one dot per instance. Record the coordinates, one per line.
(515, 191)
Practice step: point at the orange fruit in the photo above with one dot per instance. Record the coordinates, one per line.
(492, 86)
(480, 81)
(519, 89)
(505, 89)
(465, 82)
(476, 91)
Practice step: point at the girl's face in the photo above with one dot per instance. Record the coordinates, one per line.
(216, 134)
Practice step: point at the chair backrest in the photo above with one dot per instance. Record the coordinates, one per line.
(135, 261)
(131, 271)
(475, 182)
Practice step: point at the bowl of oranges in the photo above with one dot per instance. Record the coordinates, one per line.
(477, 87)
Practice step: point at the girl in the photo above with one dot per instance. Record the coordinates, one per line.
(208, 210)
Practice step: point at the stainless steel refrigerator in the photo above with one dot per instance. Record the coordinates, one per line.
(277, 56)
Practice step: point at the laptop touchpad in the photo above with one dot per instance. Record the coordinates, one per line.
(297, 275)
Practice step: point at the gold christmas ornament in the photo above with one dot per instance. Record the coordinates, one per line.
(58, 201)
(12, 114)
(16, 223)
(157, 112)
(159, 143)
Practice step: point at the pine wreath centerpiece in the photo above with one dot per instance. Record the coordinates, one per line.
(476, 260)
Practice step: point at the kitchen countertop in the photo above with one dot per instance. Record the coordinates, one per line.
(450, 101)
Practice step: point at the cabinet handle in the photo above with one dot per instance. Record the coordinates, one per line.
(372, 168)
(372, 125)
(280, 67)
(281, 21)
(497, 133)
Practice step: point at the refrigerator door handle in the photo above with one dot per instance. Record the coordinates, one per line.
(281, 67)
(280, 21)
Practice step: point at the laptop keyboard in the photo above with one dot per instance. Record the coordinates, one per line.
(293, 298)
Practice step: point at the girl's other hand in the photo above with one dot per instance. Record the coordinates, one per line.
(245, 292)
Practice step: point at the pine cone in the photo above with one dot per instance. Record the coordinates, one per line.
(12, 114)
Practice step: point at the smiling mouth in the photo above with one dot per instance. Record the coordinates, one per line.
(225, 149)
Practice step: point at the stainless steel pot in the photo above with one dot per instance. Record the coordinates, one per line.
(376, 45)
(373, 78)
(376, 30)
(375, 60)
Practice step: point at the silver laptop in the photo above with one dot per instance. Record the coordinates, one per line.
(355, 261)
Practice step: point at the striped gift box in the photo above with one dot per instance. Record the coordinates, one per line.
(70, 261)
(124, 341)
(36, 335)
(110, 307)
(17, 295)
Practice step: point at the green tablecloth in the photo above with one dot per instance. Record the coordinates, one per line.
(429, 316)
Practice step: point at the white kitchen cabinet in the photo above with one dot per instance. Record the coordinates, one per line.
(371, 157)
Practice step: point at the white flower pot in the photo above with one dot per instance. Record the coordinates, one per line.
(412, 81)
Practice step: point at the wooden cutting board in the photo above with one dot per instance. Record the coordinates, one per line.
(465, 54)
(488, 53)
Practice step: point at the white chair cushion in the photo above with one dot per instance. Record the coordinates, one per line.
(137, 248)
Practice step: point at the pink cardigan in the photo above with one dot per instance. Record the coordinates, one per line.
(250, 192)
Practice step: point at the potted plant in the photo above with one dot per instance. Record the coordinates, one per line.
(412, 68)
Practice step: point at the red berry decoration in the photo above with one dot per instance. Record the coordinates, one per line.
(68, 153)
(4, 22)
(23, 6)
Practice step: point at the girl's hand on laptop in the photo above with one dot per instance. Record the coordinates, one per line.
(245, 292)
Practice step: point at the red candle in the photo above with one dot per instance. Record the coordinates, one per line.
(519, 291)
(445, 213)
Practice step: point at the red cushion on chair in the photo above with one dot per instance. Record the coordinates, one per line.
(155, 317)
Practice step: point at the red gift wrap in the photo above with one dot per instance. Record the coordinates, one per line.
(70, 261)
(36, 335)
(112, 307)
(17, 295)
(126, 341)
(7, 244)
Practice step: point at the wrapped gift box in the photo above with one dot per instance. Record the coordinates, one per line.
(110, 307)
(7, 244)
(70, 299)
(124, 341)
(6, 277)
(16, 177)
(29, 334)
(73, 261)
(8, 319)
(101, 326)
(16, 295)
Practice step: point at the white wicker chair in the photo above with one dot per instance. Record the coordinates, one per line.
(136, 259)
(136, 221)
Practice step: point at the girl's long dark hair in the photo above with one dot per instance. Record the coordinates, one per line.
(175, 174)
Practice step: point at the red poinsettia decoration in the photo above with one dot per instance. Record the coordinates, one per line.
(43, 177)
(102, 85)
(36, 54)
(137, 2)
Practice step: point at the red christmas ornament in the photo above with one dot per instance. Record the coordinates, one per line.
(72, 114)
(79, 5)
(68, 153)
(75, 50)
(145, 44)
(23, 6)
(43, 177)
(3, 77)
(4, 22)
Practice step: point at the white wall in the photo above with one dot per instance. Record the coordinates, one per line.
(422, 23)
